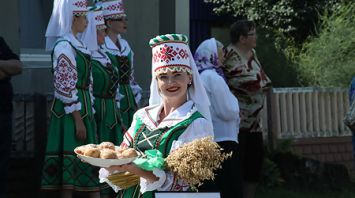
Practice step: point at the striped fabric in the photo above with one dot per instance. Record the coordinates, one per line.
(179, 38)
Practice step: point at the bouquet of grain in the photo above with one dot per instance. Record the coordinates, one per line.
(196, 161)
(124, 179)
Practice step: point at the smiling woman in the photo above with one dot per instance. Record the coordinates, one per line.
(173, 86)
(178, 114)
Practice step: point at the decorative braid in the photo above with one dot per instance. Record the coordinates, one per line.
(95, 8)
(168, 38)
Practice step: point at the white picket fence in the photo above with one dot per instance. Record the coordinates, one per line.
(306, 112)
(288, 113)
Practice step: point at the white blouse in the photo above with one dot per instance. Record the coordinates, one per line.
(224, 107)
(65, 73)
(199, 128)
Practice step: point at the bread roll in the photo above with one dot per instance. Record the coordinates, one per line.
(119, 151)
(92, 152)
(107, 145)
(108, 154)
(91, 146)
(80, 150)
(130, 152)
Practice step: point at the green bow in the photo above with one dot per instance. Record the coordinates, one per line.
(153, 159)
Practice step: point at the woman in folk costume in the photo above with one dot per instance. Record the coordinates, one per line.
(224, 108)
(130, 92)
(72, 116)
(105, 80)
(178, 113)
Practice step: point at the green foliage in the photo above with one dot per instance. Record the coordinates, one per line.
(271, 176)
(328, 60)
(295, 19)
(275, 61)
(310, 43)
(284, 146)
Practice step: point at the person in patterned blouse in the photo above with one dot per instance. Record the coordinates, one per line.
(247, 81)
(72, 120)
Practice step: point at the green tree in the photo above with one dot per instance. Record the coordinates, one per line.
(294, 19)
(328, 59)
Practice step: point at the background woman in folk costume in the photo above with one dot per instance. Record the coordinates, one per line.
(178, 113)
(72, 116)
(105, 80)
(130, 92)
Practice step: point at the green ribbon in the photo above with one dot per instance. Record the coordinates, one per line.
(153, 159)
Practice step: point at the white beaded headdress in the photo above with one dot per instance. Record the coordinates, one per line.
(171, 52)
(113, 9)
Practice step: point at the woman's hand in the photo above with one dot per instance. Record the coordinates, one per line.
(79, 126)
(80, 130)
(130, 167)
(134, 169)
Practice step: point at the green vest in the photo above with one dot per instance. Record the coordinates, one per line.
(125, 69)
(106, 87)
(160, 139)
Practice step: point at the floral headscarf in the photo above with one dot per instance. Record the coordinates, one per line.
(206, 57)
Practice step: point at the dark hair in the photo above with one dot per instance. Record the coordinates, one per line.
(240, 28)
(117, 19)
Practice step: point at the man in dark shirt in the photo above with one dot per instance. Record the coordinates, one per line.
(9, 66)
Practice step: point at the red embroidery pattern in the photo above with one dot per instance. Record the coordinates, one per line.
(65, 76)
(178, 185)
(114, 7)
(174, 182)
(123, 145)
(80, 4)
(128, 137)
(120, 7)
(99, 18)
(167, 53)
